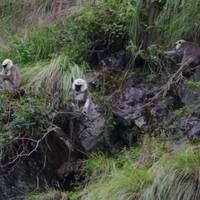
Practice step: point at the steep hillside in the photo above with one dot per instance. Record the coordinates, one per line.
(140, 138)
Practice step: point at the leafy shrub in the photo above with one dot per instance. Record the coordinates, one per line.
(36, 45)
(189, 84)
(96, 28)
(30, 114)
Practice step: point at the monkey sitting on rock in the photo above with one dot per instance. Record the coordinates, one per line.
(10, 76)
(189, 51)
(79, 92)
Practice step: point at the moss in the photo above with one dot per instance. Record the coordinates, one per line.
(189, 84)
(181, 112)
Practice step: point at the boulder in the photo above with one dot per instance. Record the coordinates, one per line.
(130, 103)
(91, 128)
(136, 112)
(191, 96)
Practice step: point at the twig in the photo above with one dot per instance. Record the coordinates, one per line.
(22, 154)
(174, 79)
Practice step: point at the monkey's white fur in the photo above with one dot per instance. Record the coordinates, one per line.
(10, 75)
(81, 82)
(8, 63)
(178, 44)
(189, 51)
(81, 96)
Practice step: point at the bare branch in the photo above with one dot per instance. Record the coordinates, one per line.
(22, 154)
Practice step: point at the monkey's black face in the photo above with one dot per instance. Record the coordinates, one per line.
(4, 66)
(78, 88)
(179, 42)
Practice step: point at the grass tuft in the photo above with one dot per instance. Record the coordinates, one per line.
(52, 77)
(176, 176)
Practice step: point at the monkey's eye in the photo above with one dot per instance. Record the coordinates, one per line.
(4, 66)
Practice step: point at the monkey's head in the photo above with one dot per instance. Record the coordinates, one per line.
(179, 43)
(79, 85)
(7, 64)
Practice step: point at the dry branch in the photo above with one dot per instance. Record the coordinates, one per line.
(175, 79)
(22, 153)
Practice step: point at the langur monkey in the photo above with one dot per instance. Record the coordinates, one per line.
(189, 51)
(9, 76)
(79, 91)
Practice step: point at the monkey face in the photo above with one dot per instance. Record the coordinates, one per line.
(7, 64)
(178, 44)
(78, 88)
(4, 66)
(79, 85)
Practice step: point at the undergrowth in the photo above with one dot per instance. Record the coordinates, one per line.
(122, 176)
(52, 55)
(78, 35)
(50, 195)
(28, 115)
(143, 173)
(54, 78)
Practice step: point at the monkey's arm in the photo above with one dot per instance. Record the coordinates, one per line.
(170, 53)
(86, 106)
(5, 76)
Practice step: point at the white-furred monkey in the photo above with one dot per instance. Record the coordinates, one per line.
(10, 76)
(189, 51)
(79, 92)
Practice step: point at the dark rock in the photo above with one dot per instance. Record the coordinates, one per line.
(195, 131)
(91, 128)
(136, 112)
(191, 96)
(186, 126)
(130, 103)
(39, 170)
(68, 167)
(115, 61)
(7, 191)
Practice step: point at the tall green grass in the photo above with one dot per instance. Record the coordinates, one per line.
(50, 195)
(147, 172)
(123, 176)
(52, 77)
(159, 24)
(179, 19)
(80, 35)
(176, 176)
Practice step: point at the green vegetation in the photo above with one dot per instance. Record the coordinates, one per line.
(30, 114)
(53, 77)
(144, 172)
(178, 176)
(18, 15)
(52, 194)
(29, 117)
(77, 35)
(53, 48)
(189, 84)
